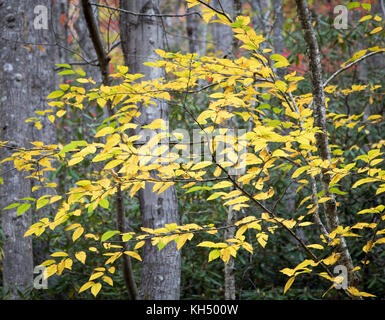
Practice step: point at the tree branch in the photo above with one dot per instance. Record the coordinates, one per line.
(103, 58)
(320, 121)
(348, 66)
(145, 14)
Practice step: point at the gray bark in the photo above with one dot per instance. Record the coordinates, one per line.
(193, 32)
(223, 35)
(140, 37)
(278, 40)
(262, 9)
(42, 81)
(24, 73)
(320, 121)
(229, 267)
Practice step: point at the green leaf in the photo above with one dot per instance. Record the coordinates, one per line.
(66, 72)
(107, 235)
(337, 191)
(71, 146)
(366, 6)
(23, 208)
(196, 188)
(81, 72)
(353, 5)
(63, 65)
(11, 206)
(28, 199)
(104, 203)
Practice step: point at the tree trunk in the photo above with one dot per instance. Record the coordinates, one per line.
(86, 45)
(278, 40)
(23, 80)
(320, 121)
(223, 35)
(192, 28)
(141, 35)
(42, 81)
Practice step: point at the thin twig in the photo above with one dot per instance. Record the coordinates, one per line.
(145, 14)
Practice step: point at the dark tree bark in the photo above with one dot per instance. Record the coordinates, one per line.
(140, 36)
(86, 45)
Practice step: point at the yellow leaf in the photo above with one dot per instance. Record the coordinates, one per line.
(262, 238)
(236, 200)
(112, 164)
(210, 244)
(281, 61)
(289, 223)
(156, 124)
(139, 245)
(104, 131)
(133, 254)
(299, 171)
(49, 271)
(288, 284)
(223, 184)
(96, 275)
(331, 259)
(201, 165)
(111, 270)
(81, 256)
(225, 255)
(183, 238)
(247, 246)
(96, 288)
(324, 199)
(51, 118)
(77, 233)
(315, 246)
(289, 272)
(59, 254)
(375, 30)
(108, 280)
(355, 292)
(74, 161)
(61, 113)
(86, 286)
(54, 199)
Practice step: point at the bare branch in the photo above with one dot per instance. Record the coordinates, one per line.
(349, 65)
(145, 14)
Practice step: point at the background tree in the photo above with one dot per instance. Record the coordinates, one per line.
(141, 35)
(26, 79)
